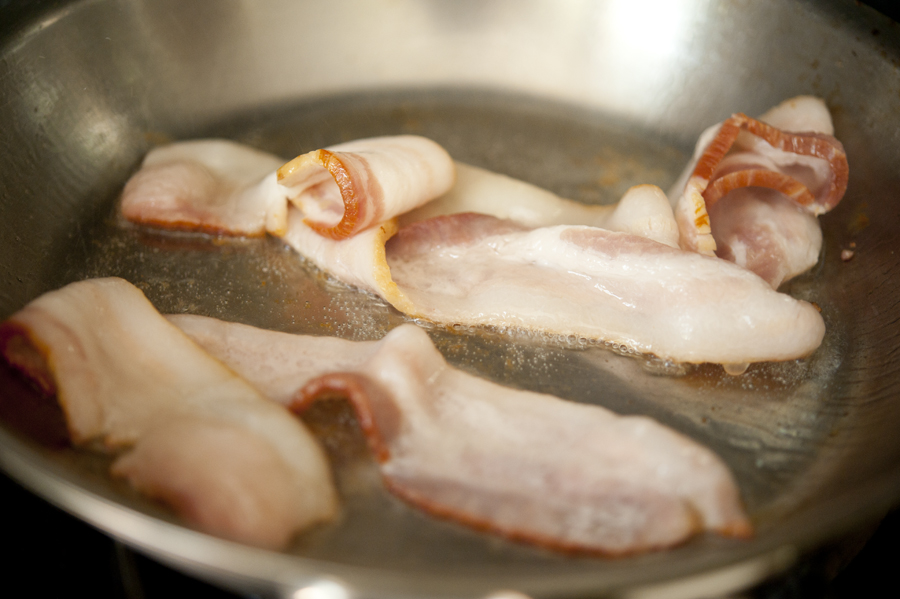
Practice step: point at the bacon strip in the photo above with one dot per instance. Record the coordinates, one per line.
(359, 261)
(644, 209)
(367, 261)
(804, 144)
(528, 466)
(596, 284)
(213, 186)
(188, 431)
(766, 233)
(475, 269)
(716, 173)
(353, 186)
(220, 187)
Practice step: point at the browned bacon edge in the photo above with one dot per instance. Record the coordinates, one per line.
(817, 145)
(27, 355)
(353, 207)
(360, 391)
(547, 542)
(197, 226)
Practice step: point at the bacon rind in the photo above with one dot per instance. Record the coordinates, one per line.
(722, 186)
(350, 188)
(28, 355)
(693, 219)
(359, 391)
(817, 145)
(704, 186)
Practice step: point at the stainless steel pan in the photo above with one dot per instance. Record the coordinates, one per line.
(584, 98)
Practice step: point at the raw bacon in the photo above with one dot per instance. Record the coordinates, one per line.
(277, 364)
(218, 186)
(766, 233)
(529, 466)
(191, 433)
(554, 285)
(644, 209)
(222, 187)
(212, 185)
(350, 187)
(588, 282)
(525, 465)
(799, 160)
(624, 289)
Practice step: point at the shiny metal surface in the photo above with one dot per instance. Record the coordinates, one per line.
(584, 98)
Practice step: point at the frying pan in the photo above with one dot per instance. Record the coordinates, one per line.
(584, 98)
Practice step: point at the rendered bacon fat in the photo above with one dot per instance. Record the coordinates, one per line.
(528, 466)
(218, 186)
(810, 168)
(193, 434)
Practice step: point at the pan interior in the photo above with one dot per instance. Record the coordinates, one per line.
(773, 425)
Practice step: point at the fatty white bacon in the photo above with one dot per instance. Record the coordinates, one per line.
(588, 282)
(192, 433)
(210, 185)
(509, 291)
(525, 465)
(754, 188)
(276, 364)
(218, 186)
(766, 233)
(359, 261)
(624, 289)
(644, 209)
(352, 186)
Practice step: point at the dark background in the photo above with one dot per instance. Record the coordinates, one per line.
(52, 554)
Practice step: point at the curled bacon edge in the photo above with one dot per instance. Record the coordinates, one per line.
(353, 208)
(703, 189)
